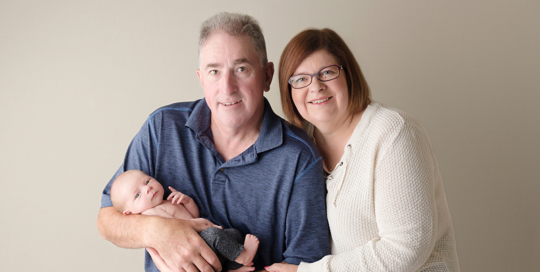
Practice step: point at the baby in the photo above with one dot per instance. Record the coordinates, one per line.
(134, 192)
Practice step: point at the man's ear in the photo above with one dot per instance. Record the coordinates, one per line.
(127, 212)
(199, 75)
(268, 75)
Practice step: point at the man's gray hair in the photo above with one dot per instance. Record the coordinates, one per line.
(235, 24)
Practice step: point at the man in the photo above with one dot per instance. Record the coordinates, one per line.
(243, 165)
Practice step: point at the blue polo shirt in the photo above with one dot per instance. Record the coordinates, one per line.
(274, 190)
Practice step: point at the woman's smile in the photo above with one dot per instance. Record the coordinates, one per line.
(320, 101)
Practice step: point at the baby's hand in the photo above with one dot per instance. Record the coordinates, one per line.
(178, 198)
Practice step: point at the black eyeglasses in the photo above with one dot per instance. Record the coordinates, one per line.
(325, 74)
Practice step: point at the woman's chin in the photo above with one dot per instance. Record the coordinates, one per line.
(321, 121)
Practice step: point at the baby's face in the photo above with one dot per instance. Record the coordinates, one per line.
(140, 192)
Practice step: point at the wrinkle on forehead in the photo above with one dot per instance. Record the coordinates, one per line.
(234, 63)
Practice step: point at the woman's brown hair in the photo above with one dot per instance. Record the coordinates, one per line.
(306, 43)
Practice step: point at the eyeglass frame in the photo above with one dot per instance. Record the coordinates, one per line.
(340, 67)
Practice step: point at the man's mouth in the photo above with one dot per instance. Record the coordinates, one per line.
(231, 103)
(320, 100)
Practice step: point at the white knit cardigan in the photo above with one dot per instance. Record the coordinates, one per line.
(386, 204)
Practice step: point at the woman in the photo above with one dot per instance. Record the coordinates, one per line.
(386, 204)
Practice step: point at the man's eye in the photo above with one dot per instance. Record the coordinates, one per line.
(213, 72)
(241, 69)
(137, 195)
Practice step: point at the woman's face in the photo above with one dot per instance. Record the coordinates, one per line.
(321, 103)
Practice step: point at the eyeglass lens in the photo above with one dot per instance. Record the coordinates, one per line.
(325, 74)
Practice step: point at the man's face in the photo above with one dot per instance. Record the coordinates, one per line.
(139, 192)
(233, 80)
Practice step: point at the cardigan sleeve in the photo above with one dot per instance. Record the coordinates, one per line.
(405, 208)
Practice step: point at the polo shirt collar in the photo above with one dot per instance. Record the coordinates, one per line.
(199, 120)
(270, 136)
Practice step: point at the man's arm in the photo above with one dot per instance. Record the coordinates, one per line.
(308, 235)
(176, 240)
(111, 225)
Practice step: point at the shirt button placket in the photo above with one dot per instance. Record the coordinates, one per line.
(218, 194)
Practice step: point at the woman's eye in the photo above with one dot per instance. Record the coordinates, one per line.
(300, 79)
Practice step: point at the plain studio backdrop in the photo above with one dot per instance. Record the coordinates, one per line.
(79, 78)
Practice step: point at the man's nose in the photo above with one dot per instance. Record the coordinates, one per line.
(228, 83)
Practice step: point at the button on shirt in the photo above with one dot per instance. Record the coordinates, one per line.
(274, 190)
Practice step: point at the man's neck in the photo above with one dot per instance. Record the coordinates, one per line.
(231, 142)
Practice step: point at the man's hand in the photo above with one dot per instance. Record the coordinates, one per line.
(179, 244)
(200, 224)
(158, 261)
(176, 240)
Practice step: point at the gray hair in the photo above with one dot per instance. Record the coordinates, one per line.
(235, 24)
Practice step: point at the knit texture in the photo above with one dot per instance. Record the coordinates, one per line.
(386, 204)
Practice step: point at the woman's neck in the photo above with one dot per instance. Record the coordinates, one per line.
(331, 138)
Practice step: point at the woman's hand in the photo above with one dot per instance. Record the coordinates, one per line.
(247, 268)
(282, 267)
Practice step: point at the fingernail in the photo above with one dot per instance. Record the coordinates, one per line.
(266, 267)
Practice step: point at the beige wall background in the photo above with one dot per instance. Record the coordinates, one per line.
(78, 79)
